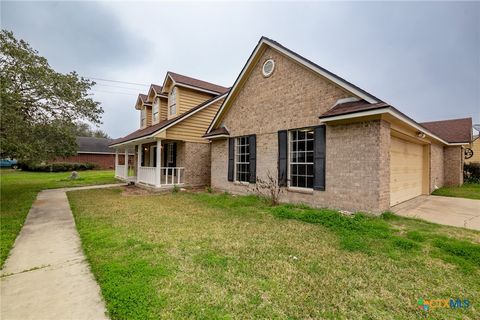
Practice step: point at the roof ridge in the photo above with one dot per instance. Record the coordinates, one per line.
(466, 118)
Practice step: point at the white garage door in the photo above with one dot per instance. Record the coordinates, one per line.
(406, 170)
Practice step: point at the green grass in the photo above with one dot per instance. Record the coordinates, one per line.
(467, 190)
(19, 189)
(216, 256)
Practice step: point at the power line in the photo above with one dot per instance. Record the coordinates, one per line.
(125, 93)
(106, 85)
(126, 82)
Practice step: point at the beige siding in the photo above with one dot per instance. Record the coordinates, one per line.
(163, 109)
(188, 98)
(475, 146)
(193, 128)
(149, 116)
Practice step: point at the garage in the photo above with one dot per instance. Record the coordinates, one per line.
(408, 170)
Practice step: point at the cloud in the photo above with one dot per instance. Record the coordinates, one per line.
(424, 58)
(82, 36)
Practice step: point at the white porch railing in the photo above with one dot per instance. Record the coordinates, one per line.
(169, 176)
(120, 171)
(146, 175)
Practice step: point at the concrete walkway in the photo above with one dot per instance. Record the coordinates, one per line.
(457, 212)
(46, 275)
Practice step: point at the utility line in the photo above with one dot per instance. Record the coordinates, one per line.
(125, 93)
(109, 80)
(107, 85)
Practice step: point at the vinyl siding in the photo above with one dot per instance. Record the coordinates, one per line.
(193, 128)
(188, 98)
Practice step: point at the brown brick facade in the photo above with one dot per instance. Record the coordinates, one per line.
(195, 158)
(357, 155)
(436, 166)
(453, 165)
(103, 161)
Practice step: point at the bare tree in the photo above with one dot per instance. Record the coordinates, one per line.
(269, 189)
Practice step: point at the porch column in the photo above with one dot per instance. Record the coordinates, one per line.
(125, 169)
(158, 178)
(139, 158)
(116, 158)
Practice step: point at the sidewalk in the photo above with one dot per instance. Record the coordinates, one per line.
(46, 275)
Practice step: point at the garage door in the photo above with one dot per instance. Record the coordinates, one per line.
(406, 170)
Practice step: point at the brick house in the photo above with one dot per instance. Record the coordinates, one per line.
(92, 150)
(328, 142)
(168, 148)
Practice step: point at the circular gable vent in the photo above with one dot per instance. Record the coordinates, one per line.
(268, 67)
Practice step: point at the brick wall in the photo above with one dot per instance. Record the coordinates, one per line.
(357, 155)
(103, 161)
(436, 166)
(357, 168)
(453, 165)
(197, 164)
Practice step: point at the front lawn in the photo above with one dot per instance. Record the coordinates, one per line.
(187, 255)
(467, 190)
(18, 190)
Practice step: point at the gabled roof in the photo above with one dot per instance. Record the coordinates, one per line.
(93, 145)
(265, 42)
(219, 132)
(195, 83)
(141, 100)
(352, 107)
(156, 128)
(156, 87)
(452, 131)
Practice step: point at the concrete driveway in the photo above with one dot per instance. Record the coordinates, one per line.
(457, 212)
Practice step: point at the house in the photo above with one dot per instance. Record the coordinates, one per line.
(92, 150)
(326, 141)
(473, 155)
(168, 148)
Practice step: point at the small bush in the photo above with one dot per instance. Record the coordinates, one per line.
(471, 172)
(175, 188)
(56, 167)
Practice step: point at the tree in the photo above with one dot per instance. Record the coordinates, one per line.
(39, 106)
(83, 129)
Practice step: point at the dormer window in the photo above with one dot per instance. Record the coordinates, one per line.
(172, 102)
(155, 112)
(143, 117)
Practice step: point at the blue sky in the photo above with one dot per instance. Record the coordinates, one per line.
(422, 57)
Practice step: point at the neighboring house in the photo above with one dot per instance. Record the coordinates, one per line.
(475, 148)
(168, 149)
(92, 150)
(328, 142)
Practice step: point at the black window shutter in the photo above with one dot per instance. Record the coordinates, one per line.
(231, 157)
(319, 159)
(252, 141)
(174, 160)
(165, 154)
(282, 158)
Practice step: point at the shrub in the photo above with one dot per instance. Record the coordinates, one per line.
(56, 167)
(471, 172)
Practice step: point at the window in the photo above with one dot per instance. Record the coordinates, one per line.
(143, 114)
(301, 158)
(156, 108)
(242, 159)
(172, 102)
(170, 154)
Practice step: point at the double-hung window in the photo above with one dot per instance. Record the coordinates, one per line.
(301, 153)
(143, 117)
(242, 159)
(172, 102)
(156, 108)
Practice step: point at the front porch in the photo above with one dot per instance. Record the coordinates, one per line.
(150, 163)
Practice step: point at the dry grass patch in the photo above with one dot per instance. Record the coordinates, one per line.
(201, 255)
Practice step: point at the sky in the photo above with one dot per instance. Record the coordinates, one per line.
(421, 57)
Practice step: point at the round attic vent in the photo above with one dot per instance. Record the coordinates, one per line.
(268, 67)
